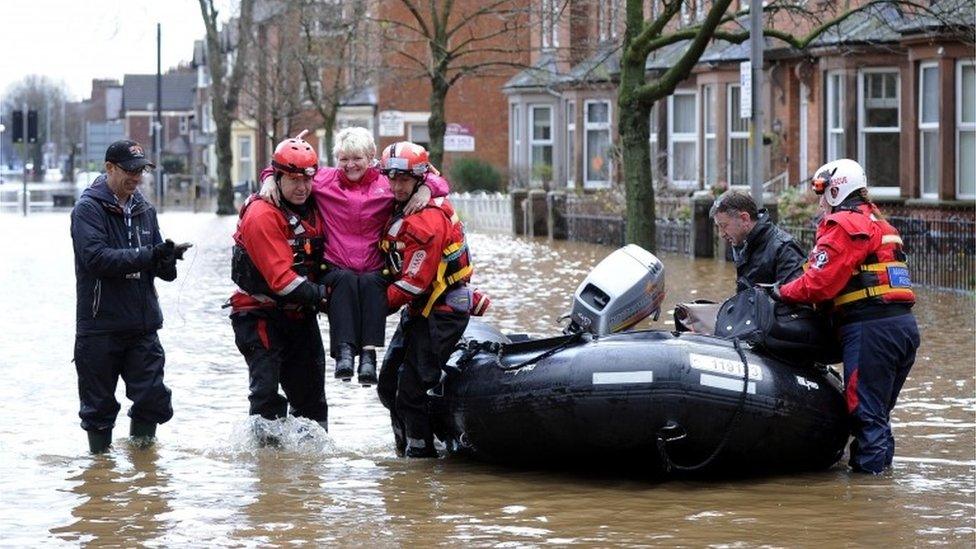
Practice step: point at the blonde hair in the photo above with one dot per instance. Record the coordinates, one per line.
(355, 140)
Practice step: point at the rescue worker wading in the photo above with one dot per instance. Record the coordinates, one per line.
(858, 266)
(275, 264)
(427, 255)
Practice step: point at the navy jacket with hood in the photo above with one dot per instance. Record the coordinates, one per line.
(114, 267)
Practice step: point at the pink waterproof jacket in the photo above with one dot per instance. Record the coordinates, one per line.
(355, 214)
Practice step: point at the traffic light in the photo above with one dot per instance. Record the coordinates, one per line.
(32, 126)
(17, 123)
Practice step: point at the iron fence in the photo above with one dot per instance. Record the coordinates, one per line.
(941, 252)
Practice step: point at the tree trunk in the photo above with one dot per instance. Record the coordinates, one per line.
(633, 124)
(635, 137)
(225, 157)
(328, 141)
(437, 125)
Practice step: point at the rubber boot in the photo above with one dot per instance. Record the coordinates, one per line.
(142, 434)
(99, 441)
(367, 367)
(344, 362)
(415, 450)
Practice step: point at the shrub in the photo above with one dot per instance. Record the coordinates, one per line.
(797, 207)
(474, 174)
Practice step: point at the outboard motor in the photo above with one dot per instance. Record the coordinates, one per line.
(623, 289)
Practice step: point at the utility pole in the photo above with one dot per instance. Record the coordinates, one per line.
(756, 123)
(25, 149)
(158, 126)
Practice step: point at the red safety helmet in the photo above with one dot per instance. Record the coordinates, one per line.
(404, 157)
(295, 155)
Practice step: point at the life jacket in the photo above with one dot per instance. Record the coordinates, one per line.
(307, 252)
(454, 269)
(883, 278)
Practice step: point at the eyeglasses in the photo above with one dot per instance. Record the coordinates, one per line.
(135, 172)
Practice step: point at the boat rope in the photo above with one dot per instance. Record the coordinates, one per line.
(662, 442)
(472, 347)
(571, 340)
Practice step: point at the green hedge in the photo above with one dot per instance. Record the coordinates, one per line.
(474, 174)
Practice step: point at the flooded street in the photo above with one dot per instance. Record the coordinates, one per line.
(205, 483)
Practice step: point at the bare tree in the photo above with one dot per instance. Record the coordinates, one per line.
(638, 92)
(334, 58)
(450, 39)
(225, 91)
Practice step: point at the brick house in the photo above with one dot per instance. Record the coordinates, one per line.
(895, 93)
(178, 107)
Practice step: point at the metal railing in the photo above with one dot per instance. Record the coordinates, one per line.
(941, 252)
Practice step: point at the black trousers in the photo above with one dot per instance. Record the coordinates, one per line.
(286, 351)
(138, 358)
(357, 309)
(412, 366)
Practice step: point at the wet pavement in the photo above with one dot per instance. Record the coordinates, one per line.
(207, 484)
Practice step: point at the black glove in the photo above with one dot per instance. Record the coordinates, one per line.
(164, 260)
(180, 249)
(164, 252)
(310, 295)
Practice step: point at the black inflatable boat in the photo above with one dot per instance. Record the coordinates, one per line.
(668, 402)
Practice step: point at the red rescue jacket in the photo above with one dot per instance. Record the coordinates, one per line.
(857, 264)
(427, 253)
(282, 252)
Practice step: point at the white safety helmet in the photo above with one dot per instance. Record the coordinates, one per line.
(838, 179)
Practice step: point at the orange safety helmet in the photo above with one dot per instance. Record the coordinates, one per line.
(404, 157)
(295, 155)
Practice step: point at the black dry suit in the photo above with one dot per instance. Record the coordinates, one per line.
(117, 312)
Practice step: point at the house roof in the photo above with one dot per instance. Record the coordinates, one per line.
(602, 66)
(543, 74)
(139, 90)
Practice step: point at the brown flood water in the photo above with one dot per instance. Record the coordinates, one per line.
(206, 484)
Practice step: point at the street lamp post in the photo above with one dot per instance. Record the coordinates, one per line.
(756, 127)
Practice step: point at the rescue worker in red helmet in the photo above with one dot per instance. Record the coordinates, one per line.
(857, 267)
(428, 256)
(276, 264)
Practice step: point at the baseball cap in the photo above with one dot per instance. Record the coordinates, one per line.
(127, 154)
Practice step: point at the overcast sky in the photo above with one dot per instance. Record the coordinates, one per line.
(77, 40)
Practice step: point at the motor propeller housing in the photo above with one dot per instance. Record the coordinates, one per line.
(623, 289)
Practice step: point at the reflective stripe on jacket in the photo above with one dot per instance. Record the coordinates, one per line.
(432, 256)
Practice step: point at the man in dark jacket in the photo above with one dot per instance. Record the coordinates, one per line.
(118, 254)
(763, 253)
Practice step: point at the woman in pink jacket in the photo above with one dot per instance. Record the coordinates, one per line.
(355, 201)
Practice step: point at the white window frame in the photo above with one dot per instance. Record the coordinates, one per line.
(836, 100)
(516, 125)
(550, 23)
(804, 131)
(533, 142)
(731, 135)
(708, 99)
(862, 130)
(653, 142)
(242, 158)
(571, 160)
(608, 19)
(685, 137)
(596, 126)
(962, 126)
(927, 127)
